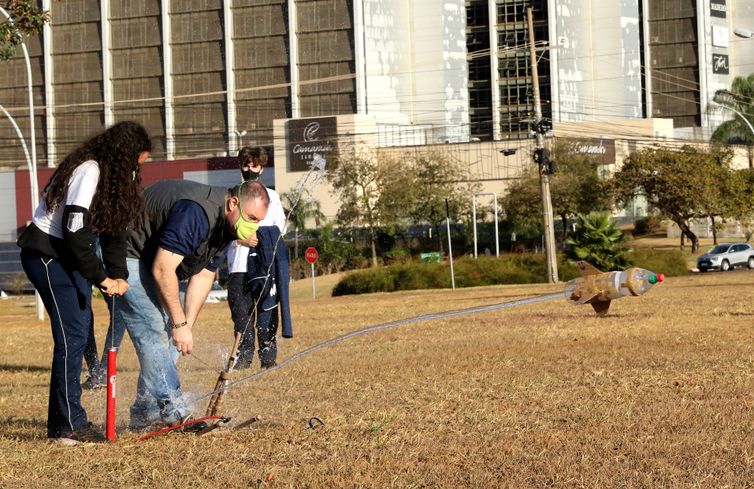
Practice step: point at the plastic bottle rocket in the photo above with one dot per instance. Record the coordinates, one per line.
(599, 288)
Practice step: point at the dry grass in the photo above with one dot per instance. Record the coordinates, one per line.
(658, 394)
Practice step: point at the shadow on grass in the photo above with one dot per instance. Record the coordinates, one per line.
(23, 368)
(23, 429)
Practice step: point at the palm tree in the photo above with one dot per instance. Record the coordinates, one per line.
(740, 100)
(598, 241)
(299, 210)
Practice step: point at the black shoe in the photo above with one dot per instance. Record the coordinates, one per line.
(242, 364)
(193, 427)
(270, 364)
(85, 434)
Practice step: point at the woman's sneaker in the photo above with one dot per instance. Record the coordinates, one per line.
(85, 434)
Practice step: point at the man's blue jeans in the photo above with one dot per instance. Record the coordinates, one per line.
(158, 394)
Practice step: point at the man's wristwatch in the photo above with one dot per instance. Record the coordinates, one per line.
(180, 325)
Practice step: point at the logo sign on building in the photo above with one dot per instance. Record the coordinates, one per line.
(720, 64)
(307, 137)
(718, 8)
(602, 149)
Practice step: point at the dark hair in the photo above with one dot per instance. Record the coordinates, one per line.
(256, 154)
(118, 201)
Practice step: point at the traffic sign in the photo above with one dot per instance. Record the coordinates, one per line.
(311, 255)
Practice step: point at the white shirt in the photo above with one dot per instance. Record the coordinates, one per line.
(237, 253)
(82, 185)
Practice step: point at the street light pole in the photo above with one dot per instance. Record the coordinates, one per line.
(33, 137)
(739, 114)
(544, 180)
(20, 137)
(32, 131)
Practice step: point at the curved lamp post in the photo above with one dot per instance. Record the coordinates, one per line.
(20, 137)
(739, 114)
(32, 133)
(32, 162)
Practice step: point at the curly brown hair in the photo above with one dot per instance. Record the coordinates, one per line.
(257, 154)
(118, 201)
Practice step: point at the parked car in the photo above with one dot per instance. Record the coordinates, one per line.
(216, 294)
(725, 256)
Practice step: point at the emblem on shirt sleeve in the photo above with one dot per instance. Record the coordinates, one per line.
(75, 221)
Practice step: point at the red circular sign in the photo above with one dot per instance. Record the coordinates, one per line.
(311, 255)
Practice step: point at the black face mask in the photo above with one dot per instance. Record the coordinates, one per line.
(250, 175)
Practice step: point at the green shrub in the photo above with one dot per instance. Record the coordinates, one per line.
(669, 262)
(365, 282)
(507, 269)
(647, 225)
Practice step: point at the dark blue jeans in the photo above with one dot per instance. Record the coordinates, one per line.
(241, 298)
(67, 297)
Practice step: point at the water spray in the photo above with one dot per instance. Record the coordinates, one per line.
(312, 178)
(593, 287)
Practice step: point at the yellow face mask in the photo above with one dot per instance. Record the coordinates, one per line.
(244, 227)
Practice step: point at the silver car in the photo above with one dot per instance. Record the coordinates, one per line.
(725, 256)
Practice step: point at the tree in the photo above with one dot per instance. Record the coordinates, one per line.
(598, 241)
(436, 178)
(300, 210)
(575, 188)
(742, 200)
(720, 189)
(740, 98)
(27, 20)
(681, 184)
(370, 188)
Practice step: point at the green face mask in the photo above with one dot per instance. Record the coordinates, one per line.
(244, 227)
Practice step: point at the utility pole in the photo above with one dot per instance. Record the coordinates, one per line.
(542, 157)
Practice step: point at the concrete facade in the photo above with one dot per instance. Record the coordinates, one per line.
(208, 76)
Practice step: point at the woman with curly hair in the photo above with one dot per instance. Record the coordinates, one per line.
(94, 192)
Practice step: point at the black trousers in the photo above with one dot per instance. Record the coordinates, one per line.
(241, 298)
(67, 297)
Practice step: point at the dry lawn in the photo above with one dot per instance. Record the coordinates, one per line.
(657, 394)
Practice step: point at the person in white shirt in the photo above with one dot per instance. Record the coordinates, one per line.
(252, 162)
(94, 192)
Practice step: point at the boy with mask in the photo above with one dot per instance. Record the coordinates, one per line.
(241, 293)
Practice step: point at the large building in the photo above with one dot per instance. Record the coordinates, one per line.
(206, 77)
(605, 61)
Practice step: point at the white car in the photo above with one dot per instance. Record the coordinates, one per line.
(725, 256)
(216, 294)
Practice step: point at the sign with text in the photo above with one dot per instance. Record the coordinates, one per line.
(311, 255)
(602, 149)
(717, 8)
(307, 137)
(720, 64)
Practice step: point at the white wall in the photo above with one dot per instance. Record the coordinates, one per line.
(597, 71)
(415, 64)
(442, 96)
(742, 50)
(8, 198)
(740, 13)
